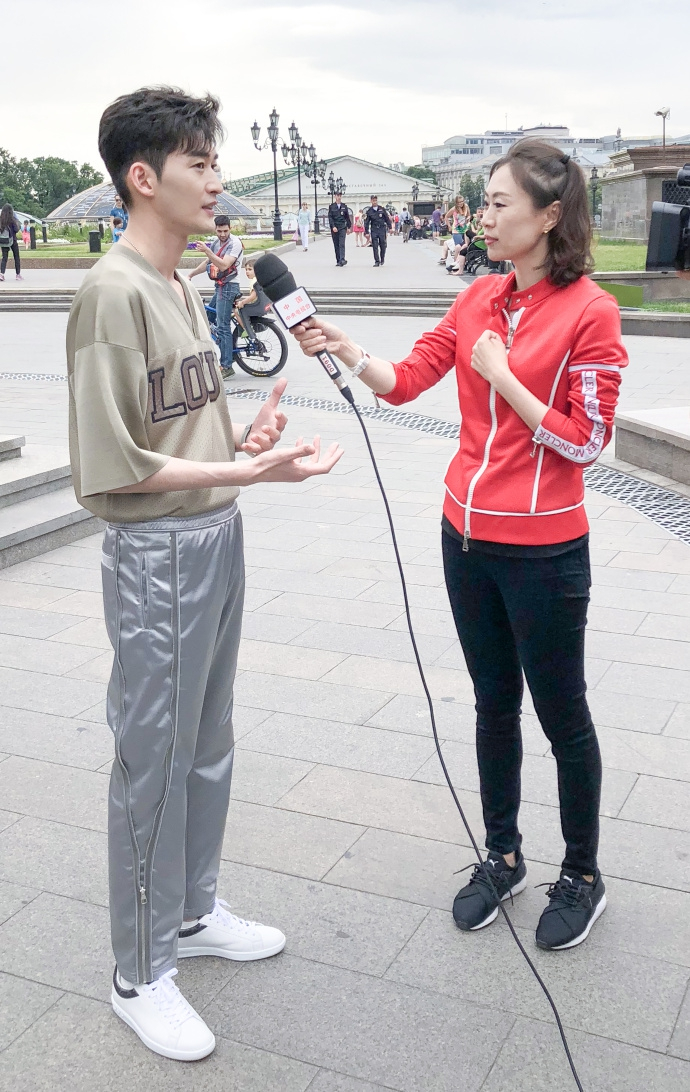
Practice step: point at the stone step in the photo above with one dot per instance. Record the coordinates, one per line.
(33, 526)
(11, 447)
(40, 470)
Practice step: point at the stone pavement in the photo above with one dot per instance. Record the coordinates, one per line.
(341, 830)
(408, 265)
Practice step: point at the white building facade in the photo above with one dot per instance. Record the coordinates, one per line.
(361, 179)
(474, 154)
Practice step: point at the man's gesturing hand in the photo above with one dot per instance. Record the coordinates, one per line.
(287, 465)
(268, 423)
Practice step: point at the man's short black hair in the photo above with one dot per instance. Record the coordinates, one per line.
(374, 197)
(222, 220)
(116, 221)
(151, 124)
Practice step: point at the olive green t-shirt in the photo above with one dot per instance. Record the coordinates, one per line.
(144, 385)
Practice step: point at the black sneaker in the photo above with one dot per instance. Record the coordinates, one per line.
(376, 264)
(475, 904)
(574, 906)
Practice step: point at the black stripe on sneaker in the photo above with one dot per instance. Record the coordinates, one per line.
(128, 994)
(193, 931)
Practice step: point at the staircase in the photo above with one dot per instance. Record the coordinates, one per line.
(38, 508)
(431, 302)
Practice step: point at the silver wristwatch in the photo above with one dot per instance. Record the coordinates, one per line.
(361, 364)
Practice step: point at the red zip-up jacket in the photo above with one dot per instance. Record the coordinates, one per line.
(505, 483)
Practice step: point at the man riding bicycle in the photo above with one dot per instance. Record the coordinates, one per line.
(222, 263)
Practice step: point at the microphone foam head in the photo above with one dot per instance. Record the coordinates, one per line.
(274, 277)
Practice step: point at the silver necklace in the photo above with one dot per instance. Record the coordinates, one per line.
(132, 245)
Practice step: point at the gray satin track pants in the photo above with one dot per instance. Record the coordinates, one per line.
(173, 591)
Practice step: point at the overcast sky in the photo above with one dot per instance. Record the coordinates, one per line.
(374, 78)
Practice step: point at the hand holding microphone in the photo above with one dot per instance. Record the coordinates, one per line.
(317, 337)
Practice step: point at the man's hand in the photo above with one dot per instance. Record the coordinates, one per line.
(334, 230)
(287, 465)
(269, 424)
(203, 246)
(490, 359)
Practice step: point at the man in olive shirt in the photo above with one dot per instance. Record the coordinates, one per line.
(153, 450)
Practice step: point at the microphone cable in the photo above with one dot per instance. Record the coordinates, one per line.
(439, 752)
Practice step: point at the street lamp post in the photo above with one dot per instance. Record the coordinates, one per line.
(335, 185)
(315, 172)
(272, 143)
(594, 177)
(663, 114)
(293, 154)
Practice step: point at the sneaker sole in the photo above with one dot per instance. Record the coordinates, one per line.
(520, 886)
(176, 1055)
(238, 957)
(583, 936)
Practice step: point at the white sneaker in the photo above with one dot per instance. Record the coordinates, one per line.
(162, 1018)
(221, 933)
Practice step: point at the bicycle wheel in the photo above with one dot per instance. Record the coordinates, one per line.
(266, 356)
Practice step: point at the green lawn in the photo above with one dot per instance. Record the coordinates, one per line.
(81, 250)
(679, 306)
(617, 257)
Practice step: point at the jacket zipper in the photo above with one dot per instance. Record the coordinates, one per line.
(513, 319)
(536, 444)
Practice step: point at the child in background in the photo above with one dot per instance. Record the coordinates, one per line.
(252, 306)
(118, 229)
(26, 238)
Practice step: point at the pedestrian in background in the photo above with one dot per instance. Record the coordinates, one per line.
(405, 223)
(222, 263)
(119, 210)
(359, 228)
(377, 224)
(304, 224)
(26, 235)
(340, 221)
(9, 227)
(436, 223)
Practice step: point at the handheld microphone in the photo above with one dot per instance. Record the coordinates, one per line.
(292, 306)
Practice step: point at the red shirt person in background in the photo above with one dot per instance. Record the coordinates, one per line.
(538, 357)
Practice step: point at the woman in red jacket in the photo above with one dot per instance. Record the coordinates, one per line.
(538, 359)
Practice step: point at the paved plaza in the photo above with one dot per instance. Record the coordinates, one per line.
(341, 830)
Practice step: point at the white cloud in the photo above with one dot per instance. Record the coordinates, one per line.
(377, 80)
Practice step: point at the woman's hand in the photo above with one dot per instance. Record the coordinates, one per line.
(315, 334)
(490, 359)
(268, 425)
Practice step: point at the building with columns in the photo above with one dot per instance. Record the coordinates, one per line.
(360, 178)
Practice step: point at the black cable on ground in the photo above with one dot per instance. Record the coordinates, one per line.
(454, 794)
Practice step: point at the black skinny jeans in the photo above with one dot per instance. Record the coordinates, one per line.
(5, 255)
(514, 614)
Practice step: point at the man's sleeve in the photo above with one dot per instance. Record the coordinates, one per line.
(594, 376)
(110, 388)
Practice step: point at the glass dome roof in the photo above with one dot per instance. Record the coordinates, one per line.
(96, 203)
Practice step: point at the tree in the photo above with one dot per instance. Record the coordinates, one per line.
(37, 186)
(472, 189)
(424, 174)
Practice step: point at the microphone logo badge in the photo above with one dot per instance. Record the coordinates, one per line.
(294, 308)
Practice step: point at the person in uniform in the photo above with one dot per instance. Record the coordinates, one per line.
(340, 221)
(153, 453)
(377, 224)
